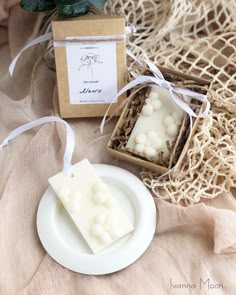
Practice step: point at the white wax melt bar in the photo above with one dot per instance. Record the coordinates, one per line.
(158, 123)
(91, 206)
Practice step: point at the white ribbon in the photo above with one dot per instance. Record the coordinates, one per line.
(70, 141)
(73, 41)
(48, 36)
(38, 40)
(158, 79)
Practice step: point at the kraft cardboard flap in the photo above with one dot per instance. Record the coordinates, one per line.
(94, 25)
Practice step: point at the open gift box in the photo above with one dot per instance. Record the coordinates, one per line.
(117, 145)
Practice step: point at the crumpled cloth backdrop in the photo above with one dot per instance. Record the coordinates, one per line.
(192, 243)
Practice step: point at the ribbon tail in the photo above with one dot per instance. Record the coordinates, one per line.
(200, 97)
(130, 54)
(182, 104)
(38, 40)
(157, 73)
(130, 30)
(205, 113)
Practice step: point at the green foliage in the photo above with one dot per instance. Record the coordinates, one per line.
(38, 5)
(98, 3)
(72, 7)
(65, 8)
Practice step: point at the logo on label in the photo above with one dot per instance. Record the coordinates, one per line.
(88, 60)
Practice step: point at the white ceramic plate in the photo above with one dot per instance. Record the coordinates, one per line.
(64, 243)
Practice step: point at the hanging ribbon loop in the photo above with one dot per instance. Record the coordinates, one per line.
(40, 39)
(70, 141)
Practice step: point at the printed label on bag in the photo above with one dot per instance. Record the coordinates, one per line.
(92, 72)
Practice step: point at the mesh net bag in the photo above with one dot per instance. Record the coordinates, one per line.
(198, 38)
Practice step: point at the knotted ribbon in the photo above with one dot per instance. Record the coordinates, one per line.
(176, 93)
(70, 140)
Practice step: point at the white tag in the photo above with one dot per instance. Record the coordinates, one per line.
(92, 72)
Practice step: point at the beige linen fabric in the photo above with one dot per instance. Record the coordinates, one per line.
(190, 244)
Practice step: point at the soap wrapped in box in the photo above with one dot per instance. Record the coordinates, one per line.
(90, 53)
(152, 131)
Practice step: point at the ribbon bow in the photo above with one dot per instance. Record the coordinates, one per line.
(176, 93)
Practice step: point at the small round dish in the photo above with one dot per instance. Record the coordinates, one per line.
(64, 243)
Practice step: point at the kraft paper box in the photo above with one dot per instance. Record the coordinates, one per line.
(117, 143)
(90, 53)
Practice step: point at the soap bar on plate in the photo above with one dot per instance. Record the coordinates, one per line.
(91, 206)
(158, 123)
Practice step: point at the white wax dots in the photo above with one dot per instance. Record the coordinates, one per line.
(139, 148)
(172, 130)
(99, 198)
(149, 151)
(178, 122)
(177, 115)
(148, 144)
(90, 204)
(172, 125)
(151, 104)
(105, 228)
(153, 140)
(96, 230)
(141, 138)
(169, 120)
(154, 95)
(147, 109)
(156, 104)
(157, 124)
